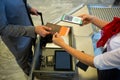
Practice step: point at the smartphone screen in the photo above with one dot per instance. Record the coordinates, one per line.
(72, 19)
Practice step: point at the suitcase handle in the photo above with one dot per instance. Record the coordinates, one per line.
(40, 14)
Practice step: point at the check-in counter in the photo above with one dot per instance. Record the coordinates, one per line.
(83, 41)
(80, 39)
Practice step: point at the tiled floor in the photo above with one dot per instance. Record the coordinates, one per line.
(51, 9)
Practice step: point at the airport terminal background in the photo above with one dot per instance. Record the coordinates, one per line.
(51, 9)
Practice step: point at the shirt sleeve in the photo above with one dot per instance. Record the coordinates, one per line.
(108, 60)
(28, 6)
(17, 31)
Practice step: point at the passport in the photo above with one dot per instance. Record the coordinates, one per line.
(61, 29)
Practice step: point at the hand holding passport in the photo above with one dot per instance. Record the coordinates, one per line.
(62, 30)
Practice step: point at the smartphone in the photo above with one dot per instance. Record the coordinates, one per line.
(72, 19)
(82, 65)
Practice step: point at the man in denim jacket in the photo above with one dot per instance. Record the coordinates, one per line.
(17, 31)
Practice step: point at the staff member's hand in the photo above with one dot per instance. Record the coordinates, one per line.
(42, 30)
(86, 18)
(57, 39)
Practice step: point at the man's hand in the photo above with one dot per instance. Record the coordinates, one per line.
(42, 30)
(33, 11)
